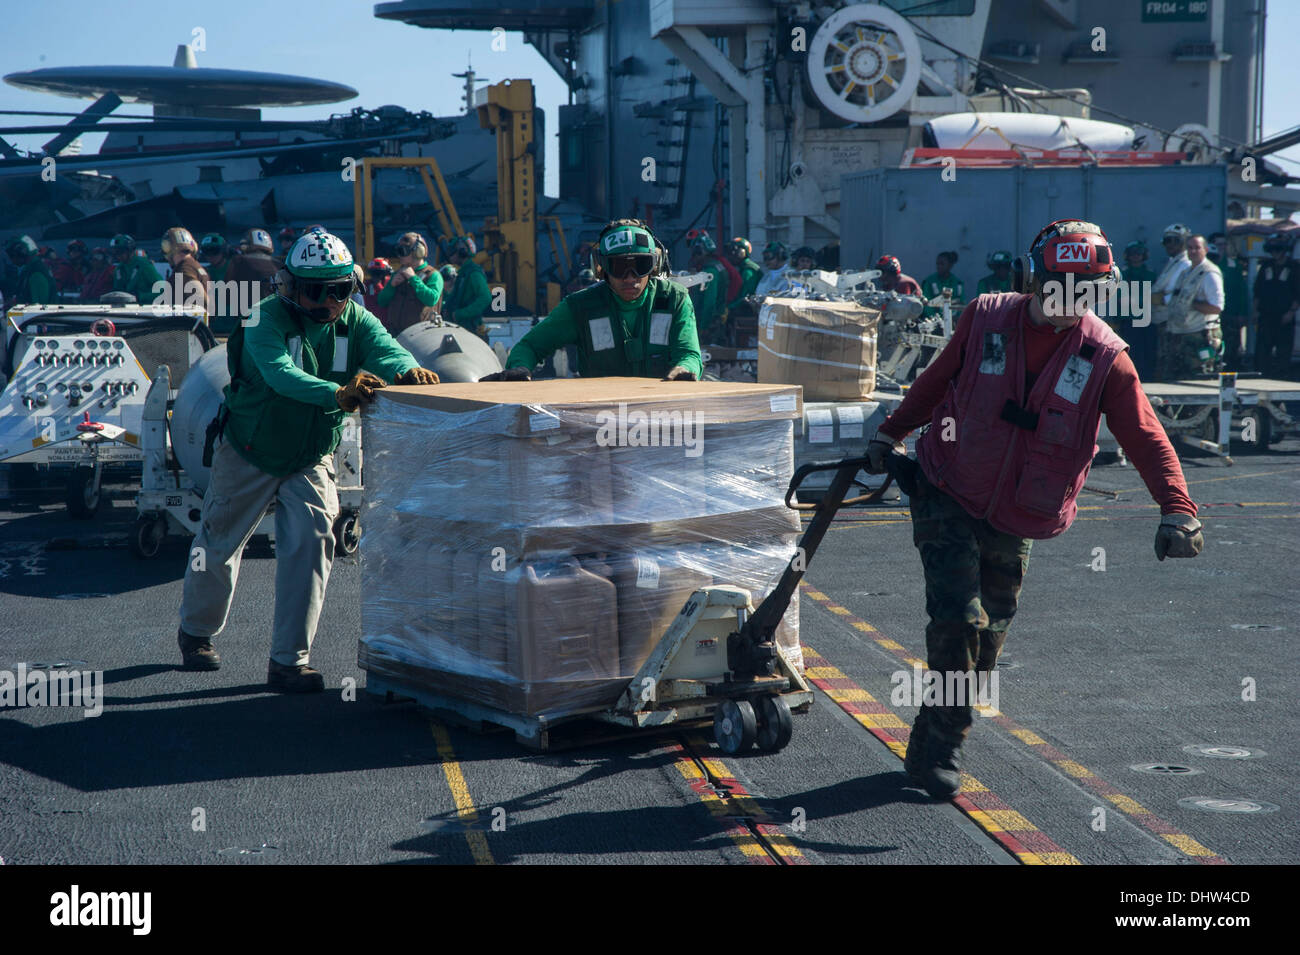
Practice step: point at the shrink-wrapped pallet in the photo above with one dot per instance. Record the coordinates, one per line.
(524, 545)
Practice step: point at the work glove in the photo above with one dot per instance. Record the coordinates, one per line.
(417, 376)
(1179, 535)
(510, 374)
(878, 451)
(678, 373)
(361, 388)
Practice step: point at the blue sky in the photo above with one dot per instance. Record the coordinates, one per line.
(386, 62)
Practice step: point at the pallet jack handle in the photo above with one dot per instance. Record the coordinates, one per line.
(857, 464)
(752, 650)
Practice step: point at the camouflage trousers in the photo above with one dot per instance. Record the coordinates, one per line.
(1180, 354)
(973, 575)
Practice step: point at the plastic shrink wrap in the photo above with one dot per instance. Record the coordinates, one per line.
(526, 545)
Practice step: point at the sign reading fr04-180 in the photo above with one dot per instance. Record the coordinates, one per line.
(1174, 11)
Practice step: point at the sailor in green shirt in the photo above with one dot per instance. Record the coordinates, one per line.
(415, 285)
(1233, 317)
(933, 285)
(1135, 263)
(35, 284)
(709, 301)
(215, 251)
(999, 277)
(300, 364)
(739, 251)
(635, 323)
(470, 297)
(1143, 340)
(134, 273)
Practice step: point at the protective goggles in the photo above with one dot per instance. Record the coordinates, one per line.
(630, 266)
(404, 250)
(339, 290)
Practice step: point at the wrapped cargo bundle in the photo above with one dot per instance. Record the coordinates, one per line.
(829, 348)
(527, 544)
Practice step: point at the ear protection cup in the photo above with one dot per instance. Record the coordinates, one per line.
(284, 284)
(420, 247)
(1024, 277)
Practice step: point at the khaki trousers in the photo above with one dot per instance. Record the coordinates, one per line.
(306, 505)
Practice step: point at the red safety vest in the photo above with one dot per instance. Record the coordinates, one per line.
(1019, 462)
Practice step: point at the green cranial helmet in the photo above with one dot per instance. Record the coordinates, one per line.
(1000, 257)
(23, 247)
(122, 243)
(214, 243)
(702, 242)
(319, 256)
(740, 247)
(626, 240)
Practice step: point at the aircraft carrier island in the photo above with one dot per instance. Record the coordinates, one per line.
(871, 441)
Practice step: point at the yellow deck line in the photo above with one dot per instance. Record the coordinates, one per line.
(478, 846)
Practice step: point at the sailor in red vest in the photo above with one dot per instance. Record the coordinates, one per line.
(1014, 404)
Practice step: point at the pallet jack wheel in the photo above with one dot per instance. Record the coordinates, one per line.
(82, 496)
(347, 533)
(734, 726)
(147, 535)
(775, 724)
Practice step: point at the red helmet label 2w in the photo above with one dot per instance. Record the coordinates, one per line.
(1074, 252)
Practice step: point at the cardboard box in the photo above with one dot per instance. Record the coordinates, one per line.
(829, 348)
(532, 408)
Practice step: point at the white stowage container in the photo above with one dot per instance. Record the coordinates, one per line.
(1034, 130)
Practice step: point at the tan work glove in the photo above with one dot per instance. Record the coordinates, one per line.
(361, 388)
(417, 376)
(1179, 535)
(678, 373)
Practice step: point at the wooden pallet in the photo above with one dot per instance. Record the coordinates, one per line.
(539, 733)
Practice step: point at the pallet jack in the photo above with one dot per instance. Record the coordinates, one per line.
(719, 656)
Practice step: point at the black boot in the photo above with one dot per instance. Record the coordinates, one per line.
(940, 770)
(940, 775)
(197, 652)
(299, 679)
